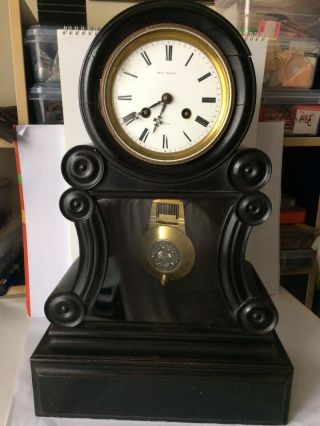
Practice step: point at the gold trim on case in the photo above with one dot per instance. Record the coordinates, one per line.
(134, 42)
(167, 212)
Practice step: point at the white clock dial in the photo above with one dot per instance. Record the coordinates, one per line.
(176, 68)
(167, 95)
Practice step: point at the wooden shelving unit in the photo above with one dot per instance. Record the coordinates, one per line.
(20, 18)
(5, 144)
(301, 141)
(17, 290)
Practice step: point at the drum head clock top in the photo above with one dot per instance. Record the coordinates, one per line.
(167, 90)
(166, 94)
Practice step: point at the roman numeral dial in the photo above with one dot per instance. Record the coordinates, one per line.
(202, 121)
(169, 50)
(129, 118)
(125, 98)
(144, 135)
(165, 143)
(146, 58)
(167, 96)
(209, 100)
(204, 77)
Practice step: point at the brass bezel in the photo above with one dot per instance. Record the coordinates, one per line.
(134, 42)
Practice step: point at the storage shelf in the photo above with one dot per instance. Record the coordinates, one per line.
(20, 18)
(299, 272)
(16, 290)
(284, 96)
(301, 141)
(5, 144)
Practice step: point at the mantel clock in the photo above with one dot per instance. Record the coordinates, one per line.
(161, 317)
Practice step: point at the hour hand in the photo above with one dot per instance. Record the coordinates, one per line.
(146, 111)
(166, 98)
(156, 104)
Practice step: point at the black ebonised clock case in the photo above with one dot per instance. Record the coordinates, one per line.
(216, 372)
(108, 353)
(135, 372)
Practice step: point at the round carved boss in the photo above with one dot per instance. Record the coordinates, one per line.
(82, 167)
(249, 170)
(258, 316)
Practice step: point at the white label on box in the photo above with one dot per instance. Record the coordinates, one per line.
(307, 120)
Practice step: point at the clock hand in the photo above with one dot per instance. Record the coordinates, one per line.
(157, 120)
(166, 99)
(157, 103)
(145, 112)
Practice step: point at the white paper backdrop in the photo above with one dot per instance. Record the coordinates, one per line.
(41, 149)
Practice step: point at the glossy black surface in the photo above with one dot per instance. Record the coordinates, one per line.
(143, 372)
(111, 218)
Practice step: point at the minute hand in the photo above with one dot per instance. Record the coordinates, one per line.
(157, 120)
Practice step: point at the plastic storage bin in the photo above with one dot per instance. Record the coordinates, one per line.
(297, 261)
(291, 63)
(42, 41)
(47, 101)
(285, 18)
(298, 109)
(297, 236)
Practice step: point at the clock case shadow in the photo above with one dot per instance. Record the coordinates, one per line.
(120, 345)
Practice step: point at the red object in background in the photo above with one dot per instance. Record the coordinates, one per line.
(296, 215)
(285, 113)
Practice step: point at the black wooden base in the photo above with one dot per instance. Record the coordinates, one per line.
(100, 370)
